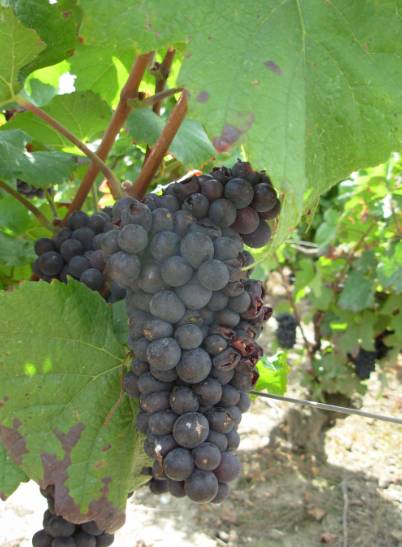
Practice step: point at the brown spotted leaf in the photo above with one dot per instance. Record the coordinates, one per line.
(63, 417)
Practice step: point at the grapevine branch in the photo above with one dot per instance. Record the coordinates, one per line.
(158, 152)
(71, 137)
(162, 72)
(34, 210)
(129, 91)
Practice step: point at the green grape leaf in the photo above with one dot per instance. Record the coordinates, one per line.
(389, 269)
(191, 146)
(84, 113)
(64, 418)
(57, 25)
(40, 93)
(19, 46)
(308, 88)
(357, 294)
(15, 252)
(13, 215)
(273, 374)
(40, 169)
(10, 475)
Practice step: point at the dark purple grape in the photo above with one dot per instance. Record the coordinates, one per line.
(97, 221)
(202, 486)
(194, 295)
(162, 219)
(50, 263)
(183, 399)
(147, 384)
(109, 242)
(132, 238)
(183, 220)
(82, 539)
(131, 385)
(210, 188)
(176, 271)
(244, 402)
(124, 269)
(260, 237)
(194, 366)
(77, 219)
(42, 539)
(228, 318)
(271, 214)
(247, 221)
(229, 468)
(197, 204)
(59, 527)
(85, 236)
(136, 213)
(178, 464)
(169, 202)
(218, 439)
(150, 280)
(196, 248)
(239, 191)
(161, 423)
(233, 440)
(97, 260)
(213, 275)
(234, 289)
(156, 328)
(230, 396)
(167, 305)
(207, 227)
(186, 188)
(218, 301)
(140, 346)
(188, 336)
(222, 212)
(77, 265)
(223, 493)
(104, 540)
(158, 487)
(264, 198)
(164, 244)
(176, 488)
(207, 456)
(241, 303)
(215, 344)
(227, 248)
(220, 420)
(92, 278)
(164, 375)
(157, 446)
(91, 528)
(44, 245)
(164, 353)
(209, 392)
(190, 429)
(61, 237)
(63, 542)
(156, 401)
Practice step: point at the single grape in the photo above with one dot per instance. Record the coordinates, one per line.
(91, 528)
(194, 366)
(82, 539)
(233, 440)
(169, 202)
(210, 188)
(260, 237)
(157, 446)
(234, 289)
(166, 305)
(229, 468)
(147, 383)
(156, 328)
(124, 269)
(194, 295)
(215, 344)
(138, 367)
(77, 265)
(197, 204)
(178, 464)
(226, 360)
(244, 402)
(97, 221)
(218, 301)
(150, 280)
(272, 213)
(264, 198)
(227, 248)
(207, 227)
(132, 238)
(77, 219)
(93, 279)
(241, 303)
(162, 219)
(223, 493)
(222, 212)
(164, 375)
(158, 487)
(188, 336)
(109, 242)
(183, 399)
(61, 237)
(230, 396)
(186, 188)
(131, 385)
(196, 248)
(153, 402)
(136, 213)
(247, 221)
(220, 420)
(190, 429)
(42, 539)
(202, 486)
(209, 392)
(239, 191)
(96, 259)
(85, 236)
(44, 245)
(50, 263)
(59, 527)
(161, 423)
(104, 540)
(164, 244)
(140, 347)
(228, 318)
(176, 488)
(164, 353)
(176, 271)
(213, 275)
(218, 439)
(183, 220)
(207, 456)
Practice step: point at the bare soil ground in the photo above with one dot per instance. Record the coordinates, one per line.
(346, 492)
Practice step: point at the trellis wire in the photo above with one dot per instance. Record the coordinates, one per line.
(331, 408)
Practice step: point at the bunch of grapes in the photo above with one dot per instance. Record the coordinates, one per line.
(59, 532)
(365, 363)
(29, 191)
(78, 251)
(194, 316)
(286, 331)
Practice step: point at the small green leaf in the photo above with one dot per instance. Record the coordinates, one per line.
(15, 252)
(40, 92)
(13, 215)
(12, 148)
(64, 417)
(273, 374)
(357, 294)
(389, 270)
(19, 46)
(42, 169)
(84, 113)
(10, 475)
(191, 145)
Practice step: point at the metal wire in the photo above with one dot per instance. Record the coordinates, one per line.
(331, 408)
